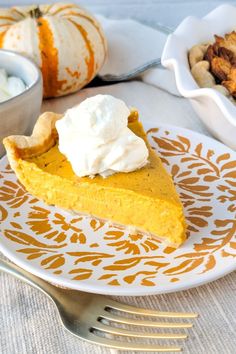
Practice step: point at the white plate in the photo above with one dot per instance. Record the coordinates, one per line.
(84, 253)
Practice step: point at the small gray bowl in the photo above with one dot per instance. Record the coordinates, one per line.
(19, 113)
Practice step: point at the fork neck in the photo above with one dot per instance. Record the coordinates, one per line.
(36, 282)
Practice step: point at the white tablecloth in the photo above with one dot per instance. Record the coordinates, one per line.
(29, 321)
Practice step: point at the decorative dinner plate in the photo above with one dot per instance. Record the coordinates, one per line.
(84, 253)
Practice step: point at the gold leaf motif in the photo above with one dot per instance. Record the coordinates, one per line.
(196, 164)
(203, 247)
(231, 183)
(185, 266)
(34, 250)
(81, 273)
(191, 180)
(25, 239)
(186, 141)
(193, 255)
(232, 245)
(3, 213)
(131, 243)
(94, 245)
(157, 265)
(127, 263)
(35, 255)
(227, 254)
(165, 161)
(175, 170)
(176, 143)
(78, 238)
(147, 282)
(197, 221)
(173, 280)
(54, 261)
(210, 178)
(203, 171)
(107, 276)
(89, 256)
(13, 193)
(210, 153)
(198, 149)
(131, 278)
(113, 235)
(43, 222)
(169, 154)
(211, 262)
(16, 225)
(169, 250)
(228, 166)
(96, 224)
(152, 130)
(184, 174)
(189, 158)
(123, 264)
(231, 174)
(203, 211)
(169, 145)
(7, 171)
(114, 282)
(223, 157)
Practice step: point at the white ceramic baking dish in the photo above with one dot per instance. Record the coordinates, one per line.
(216, 111)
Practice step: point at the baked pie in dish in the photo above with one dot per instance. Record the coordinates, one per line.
(214, 64)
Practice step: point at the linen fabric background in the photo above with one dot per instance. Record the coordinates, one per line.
(29, 320)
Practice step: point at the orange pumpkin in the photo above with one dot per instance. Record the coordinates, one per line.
(65, 41)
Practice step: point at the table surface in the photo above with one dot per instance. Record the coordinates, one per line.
(25, 331)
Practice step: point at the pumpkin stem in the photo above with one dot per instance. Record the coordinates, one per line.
(36, 12)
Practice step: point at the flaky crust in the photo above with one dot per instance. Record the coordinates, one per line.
(43, 137)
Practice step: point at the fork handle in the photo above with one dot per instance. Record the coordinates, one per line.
(36, 282)
(133, 73)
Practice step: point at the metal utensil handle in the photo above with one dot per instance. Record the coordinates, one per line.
(140, 69)
(28, 278)
(132, 73)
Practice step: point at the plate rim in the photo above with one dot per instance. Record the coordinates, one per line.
(116, 291)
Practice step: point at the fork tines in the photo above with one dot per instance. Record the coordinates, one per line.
(108, 320)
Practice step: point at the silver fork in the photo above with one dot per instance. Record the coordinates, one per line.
(91, 317)
(132, 73)
(142, 68)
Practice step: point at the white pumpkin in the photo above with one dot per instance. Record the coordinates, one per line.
(65, 41)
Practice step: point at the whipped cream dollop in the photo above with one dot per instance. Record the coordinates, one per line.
(95, 138)
(10, 86)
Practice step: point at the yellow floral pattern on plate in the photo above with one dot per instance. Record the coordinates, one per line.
(84, 249)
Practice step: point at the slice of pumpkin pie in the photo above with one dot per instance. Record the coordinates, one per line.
(88, 162)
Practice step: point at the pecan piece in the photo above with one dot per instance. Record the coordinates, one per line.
(220, 67)
(230, 86)
(210, 53)
(227, 54)
(229, 42)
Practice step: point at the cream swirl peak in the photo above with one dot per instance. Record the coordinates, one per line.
(10, 86)
(95, 138)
